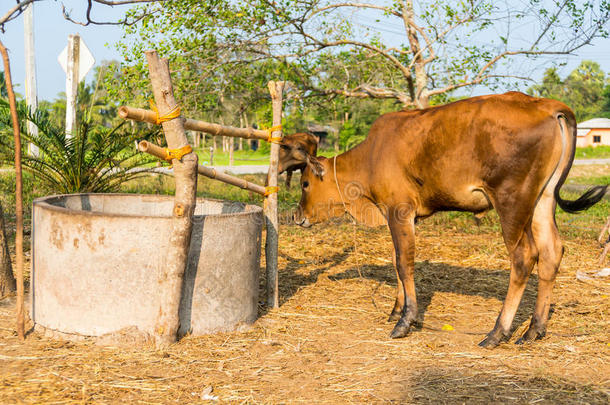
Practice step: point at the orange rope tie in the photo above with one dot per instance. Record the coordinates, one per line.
(270, 190)
(274, 139)
(177, 153)
(173, 113)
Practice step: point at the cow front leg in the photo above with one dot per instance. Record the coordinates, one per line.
(400, 293)
(402, 228)
(288, 178)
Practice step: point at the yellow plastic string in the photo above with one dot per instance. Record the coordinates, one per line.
(270, 190)
(274, 139)
(174, 113)
(177, 153)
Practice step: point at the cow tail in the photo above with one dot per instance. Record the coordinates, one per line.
(591, 196)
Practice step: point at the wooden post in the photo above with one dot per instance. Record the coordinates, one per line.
(276, 89)
(185, 173)
(18, 195)
(72, 82)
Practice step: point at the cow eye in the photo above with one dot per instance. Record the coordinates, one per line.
(305, 184)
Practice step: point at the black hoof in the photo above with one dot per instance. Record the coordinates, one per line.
(401, 329)
(493, 339)
(394, 316)
(530, 335)
(489, 342)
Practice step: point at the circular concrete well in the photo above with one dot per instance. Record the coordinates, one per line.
(96, 260)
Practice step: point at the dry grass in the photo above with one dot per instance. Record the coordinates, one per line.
(328, 342)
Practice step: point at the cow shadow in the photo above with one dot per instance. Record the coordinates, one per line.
(432, 278)
(291, 280)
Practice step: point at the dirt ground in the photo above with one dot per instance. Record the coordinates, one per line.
(328, 342)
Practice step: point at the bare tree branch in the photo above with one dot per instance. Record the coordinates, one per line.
(124, 21)
(14, 12)
(356, 5)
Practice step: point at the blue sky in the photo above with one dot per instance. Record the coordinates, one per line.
(52, 30)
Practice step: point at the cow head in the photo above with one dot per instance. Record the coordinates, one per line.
(320, 199)
(294, 151)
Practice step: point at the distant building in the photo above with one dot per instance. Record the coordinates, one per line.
(593, 132)
(322, 132)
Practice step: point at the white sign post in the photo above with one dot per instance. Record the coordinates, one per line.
(30, 72)
(76, 60)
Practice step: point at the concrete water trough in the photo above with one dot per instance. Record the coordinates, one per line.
(96, 260)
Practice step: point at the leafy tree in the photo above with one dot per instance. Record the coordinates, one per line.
(585, 90)
(551, 87)
(96, 159)
(438, 49)
(605, 104)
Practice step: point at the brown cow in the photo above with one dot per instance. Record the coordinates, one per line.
(510, 152)
(294, 150)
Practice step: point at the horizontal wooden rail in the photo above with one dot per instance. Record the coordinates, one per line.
(141, 114)
(151, 148)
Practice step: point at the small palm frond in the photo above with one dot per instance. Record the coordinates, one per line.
(95, 159)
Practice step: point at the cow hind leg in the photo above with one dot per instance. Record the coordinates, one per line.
(523, 258)
(548, 243)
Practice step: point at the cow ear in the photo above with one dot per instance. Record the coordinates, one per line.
(315, 166)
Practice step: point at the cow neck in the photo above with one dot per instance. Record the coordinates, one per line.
(341, 196)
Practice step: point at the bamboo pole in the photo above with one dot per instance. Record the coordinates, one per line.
(185, 173)
(276, 90)
(151, 148)
(18, 195)
(141, 114)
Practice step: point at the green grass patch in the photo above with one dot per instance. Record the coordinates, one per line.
(590, 152)
(590, 180)
(240, 157)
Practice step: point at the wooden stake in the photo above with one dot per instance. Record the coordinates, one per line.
(276, 89)
(185, 174)
(18, 195)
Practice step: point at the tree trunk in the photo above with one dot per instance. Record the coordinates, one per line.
(247, 125)
(231, 147)
(240, 143)
(7, 280)
(171, 272)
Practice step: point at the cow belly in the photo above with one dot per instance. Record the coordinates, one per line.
(467, 198)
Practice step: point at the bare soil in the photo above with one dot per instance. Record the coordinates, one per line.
(328, 342)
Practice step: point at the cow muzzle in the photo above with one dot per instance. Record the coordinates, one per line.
(300, 219)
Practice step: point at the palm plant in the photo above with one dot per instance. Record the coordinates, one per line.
(95, 159)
